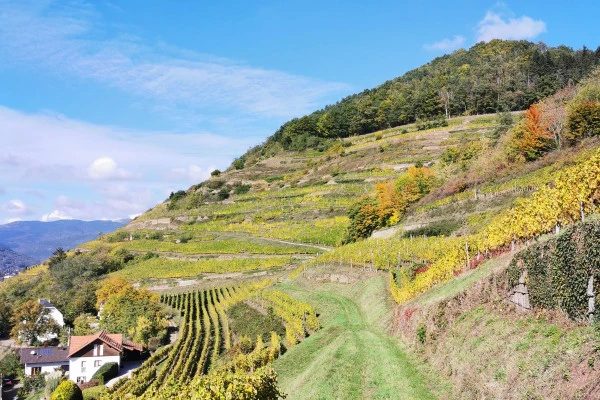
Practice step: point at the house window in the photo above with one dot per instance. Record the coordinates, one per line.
(83, 366)
(97, 363)
(101, 349)
(36, 370)
(81, 379)
(95, 350)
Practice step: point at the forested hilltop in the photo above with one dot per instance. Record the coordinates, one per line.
(500, 75)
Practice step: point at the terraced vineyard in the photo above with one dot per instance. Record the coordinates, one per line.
(205, 338)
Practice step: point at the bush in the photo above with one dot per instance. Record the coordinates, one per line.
(421, 333)
(180, 194)
(223, 194)
(107, 372)
(215, 184)
(94, 393)
(185, 237)
(437, 228)
(241, 189)
(67, 390)
(216, 172)
(52, 383)
(239, 163)
(10, 366)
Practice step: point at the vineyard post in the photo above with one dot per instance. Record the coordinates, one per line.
(467, 252)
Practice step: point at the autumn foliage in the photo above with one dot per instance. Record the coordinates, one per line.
(531, 137)
(389, 203)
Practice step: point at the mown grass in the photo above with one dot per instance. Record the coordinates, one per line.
(351, 357)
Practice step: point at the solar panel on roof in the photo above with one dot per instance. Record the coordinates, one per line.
(45, 352)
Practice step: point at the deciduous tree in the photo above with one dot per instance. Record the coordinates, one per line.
(31, 320)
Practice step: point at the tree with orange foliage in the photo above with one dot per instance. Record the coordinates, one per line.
(530, 138)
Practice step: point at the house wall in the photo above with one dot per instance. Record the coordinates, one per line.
(75, 366)
(57, 316)
(88, 351)
(46, 367)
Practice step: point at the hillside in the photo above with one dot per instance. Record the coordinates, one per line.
(375, 266)
(37, 240)
(11, 261)
(488, 77)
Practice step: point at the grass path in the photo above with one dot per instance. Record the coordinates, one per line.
(351, 357)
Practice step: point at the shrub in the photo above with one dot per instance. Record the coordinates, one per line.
(180, 194)
(437, 228)
(52, 383)
(215, 184)
(67, 390)
(185, 237)
(241, 189)
(10, 365)
(223, 194)
(94, 393)
(421, 333)
(216, 172)
(239, 163)
(584, 120)
(107, 372)
(155, 236)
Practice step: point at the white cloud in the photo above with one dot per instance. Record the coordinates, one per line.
(192, 172)
(493, 26)
(98, 168)
(446, 44)
(105, 168)
(15, 207)
(59, 39)
(55, 215)
(116, 201)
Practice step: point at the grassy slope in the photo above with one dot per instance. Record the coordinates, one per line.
(351, 357)
(487, 350)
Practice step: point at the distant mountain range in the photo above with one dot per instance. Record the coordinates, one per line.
(11, 261)
(25, 243)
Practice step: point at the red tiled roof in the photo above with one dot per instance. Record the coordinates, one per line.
(78, 343)
(131, 346)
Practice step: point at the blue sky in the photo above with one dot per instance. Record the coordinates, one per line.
(106, 107)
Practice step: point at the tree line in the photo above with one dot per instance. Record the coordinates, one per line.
(501, 75)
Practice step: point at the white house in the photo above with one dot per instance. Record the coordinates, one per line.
(54, 313)
(40, 360)
(88, 353)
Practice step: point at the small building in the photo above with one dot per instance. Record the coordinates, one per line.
(39, 360)
(88, 353)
